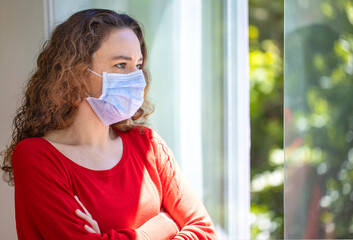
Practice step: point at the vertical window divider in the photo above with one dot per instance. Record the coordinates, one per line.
(237, 118)
(48, 8)
(190, 92)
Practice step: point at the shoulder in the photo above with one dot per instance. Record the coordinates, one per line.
(35, 159)
(157, 144)
(32, 152)
(29, 145)
(147, 139)
(37, 167)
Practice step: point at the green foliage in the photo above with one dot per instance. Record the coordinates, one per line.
(266, 111)
(319, 71)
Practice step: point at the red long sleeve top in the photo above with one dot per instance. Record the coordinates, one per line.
(121, 199)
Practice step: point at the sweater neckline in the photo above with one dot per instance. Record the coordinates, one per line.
(105, 172)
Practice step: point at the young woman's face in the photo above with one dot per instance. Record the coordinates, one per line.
(119, 53)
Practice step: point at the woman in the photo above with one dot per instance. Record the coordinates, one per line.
(83, 164)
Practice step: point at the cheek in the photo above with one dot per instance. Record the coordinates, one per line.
(95, 87)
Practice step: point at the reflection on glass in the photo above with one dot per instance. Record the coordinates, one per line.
(318, 119)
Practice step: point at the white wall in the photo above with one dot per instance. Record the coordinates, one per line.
(21, 37)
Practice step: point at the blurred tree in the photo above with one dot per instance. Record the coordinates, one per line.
(266, 111)
(319, 69)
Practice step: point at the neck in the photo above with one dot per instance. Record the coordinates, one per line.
(86, 129)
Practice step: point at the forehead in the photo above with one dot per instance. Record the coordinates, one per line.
(120, 42)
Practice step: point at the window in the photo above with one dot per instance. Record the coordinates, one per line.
(318, 119)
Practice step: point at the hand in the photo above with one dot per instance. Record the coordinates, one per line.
(87, 216)
(161, 221)
(166, 215)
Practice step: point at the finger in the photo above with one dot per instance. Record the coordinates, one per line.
(95, 226)
(89, 229)
(83, 207)
(91, 221)
(83, 216)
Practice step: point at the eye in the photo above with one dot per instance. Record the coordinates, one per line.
(120, 65)
(139, 66)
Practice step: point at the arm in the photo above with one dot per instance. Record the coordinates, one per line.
(44, 203)
(162, 221)
(179, 199)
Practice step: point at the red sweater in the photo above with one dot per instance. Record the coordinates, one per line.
(124, 200)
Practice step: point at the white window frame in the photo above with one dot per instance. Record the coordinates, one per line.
(48, 9)
(237, 109)
(190, 92)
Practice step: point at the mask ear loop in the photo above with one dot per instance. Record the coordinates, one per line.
(88, 96)
(95, 73)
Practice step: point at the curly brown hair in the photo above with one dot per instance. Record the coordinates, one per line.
(58, 84)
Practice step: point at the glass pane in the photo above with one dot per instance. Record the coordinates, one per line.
(213, 113)
(318, 119)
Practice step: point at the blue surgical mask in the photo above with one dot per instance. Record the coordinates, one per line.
(122, 95)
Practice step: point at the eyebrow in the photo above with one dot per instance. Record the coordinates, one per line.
(124, 58)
